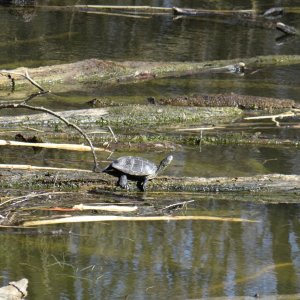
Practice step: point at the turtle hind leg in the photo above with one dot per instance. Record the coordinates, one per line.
(123, 182)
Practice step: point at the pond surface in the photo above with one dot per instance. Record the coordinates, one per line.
(160, 260)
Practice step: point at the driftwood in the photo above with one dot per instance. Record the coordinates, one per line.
(75, 76)
(16, 290)
(71, 147)
(212, 13)
(115, 208)
(81, 219)
(232, 100)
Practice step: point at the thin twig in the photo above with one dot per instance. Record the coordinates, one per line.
(35, 108)
(29, 196)
(30, 167)
(177, 205)
(26, 76)
(274, 117)
(111, 131)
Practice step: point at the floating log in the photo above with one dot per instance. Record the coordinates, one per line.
(83, 74)
(232, 100)
(212, 13)
(129, 115)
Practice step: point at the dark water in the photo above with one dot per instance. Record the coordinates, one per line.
(157, 260)
(160, 260)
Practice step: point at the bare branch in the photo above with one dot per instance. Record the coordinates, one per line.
(26, 106)
(26, 76)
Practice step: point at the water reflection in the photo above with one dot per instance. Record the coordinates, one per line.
(69, 35)
(160, 260)
(157, 260)
(209, 161)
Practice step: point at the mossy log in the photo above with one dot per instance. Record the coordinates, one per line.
(83, 74)
(229, 100)
(130, 115)
(98, 182)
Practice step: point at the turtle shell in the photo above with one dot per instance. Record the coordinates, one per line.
(133, 165)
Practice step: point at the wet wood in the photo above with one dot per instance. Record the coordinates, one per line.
(144, 9)
(274, 12)
(99, 182)
(232, 100)
(129, 115)
(16, 290)
(286, 29)
(84, 74)
(212, 13)
(244, 17)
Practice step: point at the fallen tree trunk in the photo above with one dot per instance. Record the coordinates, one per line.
(101, 182)
(130, 115)
(229, 100)
(77, 75)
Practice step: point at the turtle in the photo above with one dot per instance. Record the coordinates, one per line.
(135, 168)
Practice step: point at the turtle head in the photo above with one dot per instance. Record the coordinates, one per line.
(164, 163)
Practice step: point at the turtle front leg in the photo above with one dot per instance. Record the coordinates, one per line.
(123, 182)
(144, 184)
